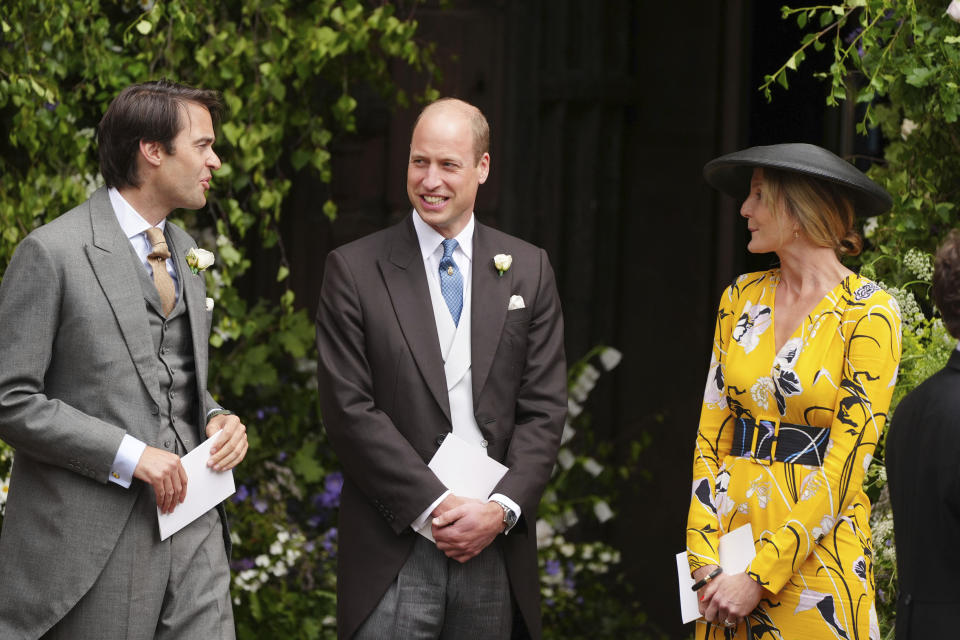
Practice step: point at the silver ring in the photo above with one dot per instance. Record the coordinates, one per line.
(728, 623)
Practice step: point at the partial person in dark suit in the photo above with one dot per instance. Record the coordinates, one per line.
(104, 329)
(923, 474)
(422, 333)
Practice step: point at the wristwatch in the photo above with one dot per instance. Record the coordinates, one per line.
(509, 517)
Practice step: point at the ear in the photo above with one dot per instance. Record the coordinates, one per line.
(484, 167)
(152, 152)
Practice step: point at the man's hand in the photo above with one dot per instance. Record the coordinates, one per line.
(231, 447)
(467, 529)
(162, 470)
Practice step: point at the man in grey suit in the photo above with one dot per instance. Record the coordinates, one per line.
(103, 344)
(421, 333)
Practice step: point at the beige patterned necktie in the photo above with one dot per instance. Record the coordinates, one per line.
(158, 260)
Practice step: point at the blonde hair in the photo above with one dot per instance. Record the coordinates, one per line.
(823, 210)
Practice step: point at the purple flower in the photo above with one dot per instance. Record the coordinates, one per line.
(242, 494)
(281, 456)
(332, 486)
(552, 567)
(329, 541)
(259, 504)
(243, 564)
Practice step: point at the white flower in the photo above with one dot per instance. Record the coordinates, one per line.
(714, 395)
(199, 259)
(544, 533)
(954, 10)
(610, 358)
(565, 458)
(262, 560)
(870, 225)
(908, 125)
(603, 511)
(754, 320)
(209, 304)
(568, 433)
(502, 262)
(592, 467)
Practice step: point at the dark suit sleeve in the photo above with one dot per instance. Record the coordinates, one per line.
(373, 452)
(541, 404)
(44, 428)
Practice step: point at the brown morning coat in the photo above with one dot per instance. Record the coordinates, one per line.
(383, 396)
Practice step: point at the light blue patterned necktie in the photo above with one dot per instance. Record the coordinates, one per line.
(451, 281)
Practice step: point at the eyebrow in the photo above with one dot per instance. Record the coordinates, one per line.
(204, 140)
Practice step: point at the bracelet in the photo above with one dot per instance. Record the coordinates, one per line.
(703, 581)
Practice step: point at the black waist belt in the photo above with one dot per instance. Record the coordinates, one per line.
(771, 440)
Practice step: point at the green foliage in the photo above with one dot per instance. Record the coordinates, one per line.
(901, 59)
(291, 73)
(583, 590)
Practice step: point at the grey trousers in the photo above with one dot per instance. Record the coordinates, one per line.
(175, 589)
(435, 598)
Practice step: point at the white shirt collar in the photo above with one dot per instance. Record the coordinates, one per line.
(130, 221)
(430, 239)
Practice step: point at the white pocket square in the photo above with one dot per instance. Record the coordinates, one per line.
(516, 302)
(209, 304)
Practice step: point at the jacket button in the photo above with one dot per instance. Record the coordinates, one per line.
(441, 438)
(154, 409)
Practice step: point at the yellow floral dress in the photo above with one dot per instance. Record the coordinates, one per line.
(810, 523)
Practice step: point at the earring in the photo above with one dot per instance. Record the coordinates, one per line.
(796, 234)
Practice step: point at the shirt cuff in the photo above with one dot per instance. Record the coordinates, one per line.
(417, 524)
(126, 460)
(499, 497)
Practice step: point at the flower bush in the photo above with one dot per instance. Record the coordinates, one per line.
(899, 61)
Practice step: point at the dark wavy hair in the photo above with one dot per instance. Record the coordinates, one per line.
(150, 111)
(946, 282)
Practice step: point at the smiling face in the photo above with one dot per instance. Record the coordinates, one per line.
(768, 232)
(183, 176)
(443, 174)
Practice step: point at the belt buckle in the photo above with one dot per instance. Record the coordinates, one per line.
(773, 444)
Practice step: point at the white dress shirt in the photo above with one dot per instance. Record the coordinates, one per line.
(453, 338)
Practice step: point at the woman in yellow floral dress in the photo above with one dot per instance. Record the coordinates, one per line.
(804, 363)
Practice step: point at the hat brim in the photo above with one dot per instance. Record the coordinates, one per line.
(731, 173)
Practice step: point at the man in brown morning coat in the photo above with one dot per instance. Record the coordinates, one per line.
(383, 335)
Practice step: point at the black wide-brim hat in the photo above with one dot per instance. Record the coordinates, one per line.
(731, 173)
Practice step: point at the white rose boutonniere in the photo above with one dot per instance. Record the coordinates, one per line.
(502, 262)
(198, 260)
(954, 10)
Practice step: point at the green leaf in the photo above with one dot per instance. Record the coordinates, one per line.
(144, 27)
(919, 76)
(282, 273)
(330, 210)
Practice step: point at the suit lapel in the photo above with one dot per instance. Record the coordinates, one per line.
(194, 297)
(406, 284)
(490, 296)
(109, 257)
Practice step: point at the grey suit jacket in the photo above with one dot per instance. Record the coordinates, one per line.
(78, 372)
(385, 406)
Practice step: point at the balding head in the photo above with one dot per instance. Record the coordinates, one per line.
(475, 117)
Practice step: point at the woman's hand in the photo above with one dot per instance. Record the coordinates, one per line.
(727, 599)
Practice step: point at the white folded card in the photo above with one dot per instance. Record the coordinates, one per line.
(736, 552)
(466, 470)
(206, 489)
